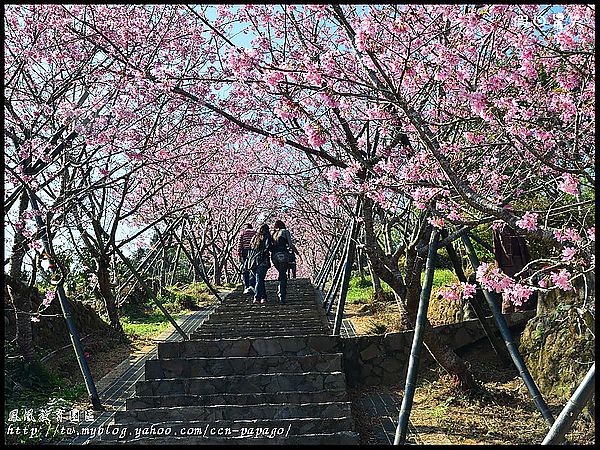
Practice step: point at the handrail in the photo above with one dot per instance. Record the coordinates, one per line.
(347, 271)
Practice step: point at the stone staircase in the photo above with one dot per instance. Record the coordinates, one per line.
(251, 374)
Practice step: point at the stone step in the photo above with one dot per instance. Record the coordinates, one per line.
(212, 413)
(250, 346)
(244, 430)
(224, 330)
(264, 311)
(339, 438)
(237, 365)
(262, 321)
(295, 396)
(272, 382)
(286, 332)
(289, 308)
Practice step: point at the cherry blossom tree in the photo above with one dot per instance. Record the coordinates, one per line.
(452, 116)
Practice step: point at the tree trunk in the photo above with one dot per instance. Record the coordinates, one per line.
(377, 290)
(388, 271)
(19, 292)
(359, 262)
(104, 286)
(217, 273)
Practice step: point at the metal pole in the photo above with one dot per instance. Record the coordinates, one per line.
(574, 406)
(481, 242)
(350, 253)
(149, 257)
(337, 279)
(322, 279)
(324, 267)
(508, 340)
(68, 315)
(150, 293)
(417, 342)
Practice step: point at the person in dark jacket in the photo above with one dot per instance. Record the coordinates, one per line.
(261, 243)
(512, 255)
(243, 248)
(281, 254)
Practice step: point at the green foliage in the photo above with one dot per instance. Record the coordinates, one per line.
(360, 290)
(483, 232)
(189, 296)
(443, 261)
(21, 376)
(441, 277)
(362, 282)
(33, 387)
(150, 323)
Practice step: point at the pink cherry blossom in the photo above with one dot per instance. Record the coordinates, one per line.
(36, 245)
(468, 290)
(48, 298)
(561, 279)
(528, 222)
(568, 253)
(518, 293)
(568, 184)
(567, 234)
(437, 222)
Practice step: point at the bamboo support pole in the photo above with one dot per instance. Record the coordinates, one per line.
(68, 314)
(508, 340)
(496, 344)
(417, 342)
(574, 406)
(150, 293)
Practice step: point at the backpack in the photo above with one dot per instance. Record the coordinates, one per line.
(280, 259)
(256, 257)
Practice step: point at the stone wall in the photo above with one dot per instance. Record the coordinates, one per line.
(558, 345)
(442, 311)
(383, 359)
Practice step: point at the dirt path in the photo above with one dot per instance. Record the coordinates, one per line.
(503, 413)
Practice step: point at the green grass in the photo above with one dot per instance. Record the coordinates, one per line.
(441, 277)
(30, 388)
(147, 320)
(150, 324)
(362, 291)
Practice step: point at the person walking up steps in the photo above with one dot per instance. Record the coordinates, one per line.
(243, 248)
(281, 253)
(258, 261)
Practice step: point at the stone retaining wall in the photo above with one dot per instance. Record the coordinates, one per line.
(383, 359)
